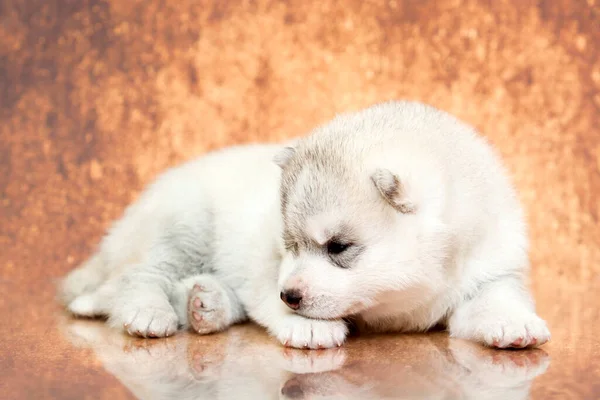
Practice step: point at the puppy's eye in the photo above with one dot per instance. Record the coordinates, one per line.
(335, 247)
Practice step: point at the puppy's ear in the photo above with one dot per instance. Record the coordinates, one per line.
(283, 157)
(393, 191)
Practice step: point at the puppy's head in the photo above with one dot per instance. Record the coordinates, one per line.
(353, 231)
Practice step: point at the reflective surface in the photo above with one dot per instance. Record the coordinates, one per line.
(244, 364)
(50, 355)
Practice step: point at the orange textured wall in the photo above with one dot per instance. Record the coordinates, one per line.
(97, 97)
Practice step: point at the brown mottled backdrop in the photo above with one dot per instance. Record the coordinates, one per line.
(97, 97)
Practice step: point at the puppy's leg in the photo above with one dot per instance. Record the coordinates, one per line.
(142, 302)
(501, 314)
(141, 305)
(206, 305)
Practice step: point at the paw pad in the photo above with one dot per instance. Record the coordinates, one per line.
(206, 309)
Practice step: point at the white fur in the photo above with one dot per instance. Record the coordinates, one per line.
(213, 222)
(449, 248)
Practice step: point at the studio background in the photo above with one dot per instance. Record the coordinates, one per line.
(97, 97)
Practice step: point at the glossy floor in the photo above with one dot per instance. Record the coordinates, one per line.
(51, 355)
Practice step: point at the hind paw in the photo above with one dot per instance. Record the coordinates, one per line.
(208, 307)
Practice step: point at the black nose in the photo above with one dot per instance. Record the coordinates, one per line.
(292, 298)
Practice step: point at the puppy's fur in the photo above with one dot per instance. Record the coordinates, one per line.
(399, 217)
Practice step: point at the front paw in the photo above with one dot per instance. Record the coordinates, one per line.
(304, 333)
(148, 321)
(517, 329)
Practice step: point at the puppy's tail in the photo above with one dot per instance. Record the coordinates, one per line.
(82, 280)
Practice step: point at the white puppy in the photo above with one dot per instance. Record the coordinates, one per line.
(398, 217)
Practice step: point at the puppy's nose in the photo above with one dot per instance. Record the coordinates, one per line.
(292, 298)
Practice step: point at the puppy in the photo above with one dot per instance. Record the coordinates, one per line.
(398, 217)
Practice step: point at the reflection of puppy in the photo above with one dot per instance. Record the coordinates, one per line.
(397, 216)
(150, 368)
(221, 366)
(424, 369)
(243, 364)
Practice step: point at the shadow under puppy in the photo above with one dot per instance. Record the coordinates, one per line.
(398, 216)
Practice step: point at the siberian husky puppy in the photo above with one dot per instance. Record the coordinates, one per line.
(398, 218)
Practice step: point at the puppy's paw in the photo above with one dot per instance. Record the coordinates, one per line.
(208, 307)
(147, 321)
(516, 329)
(304, 333)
